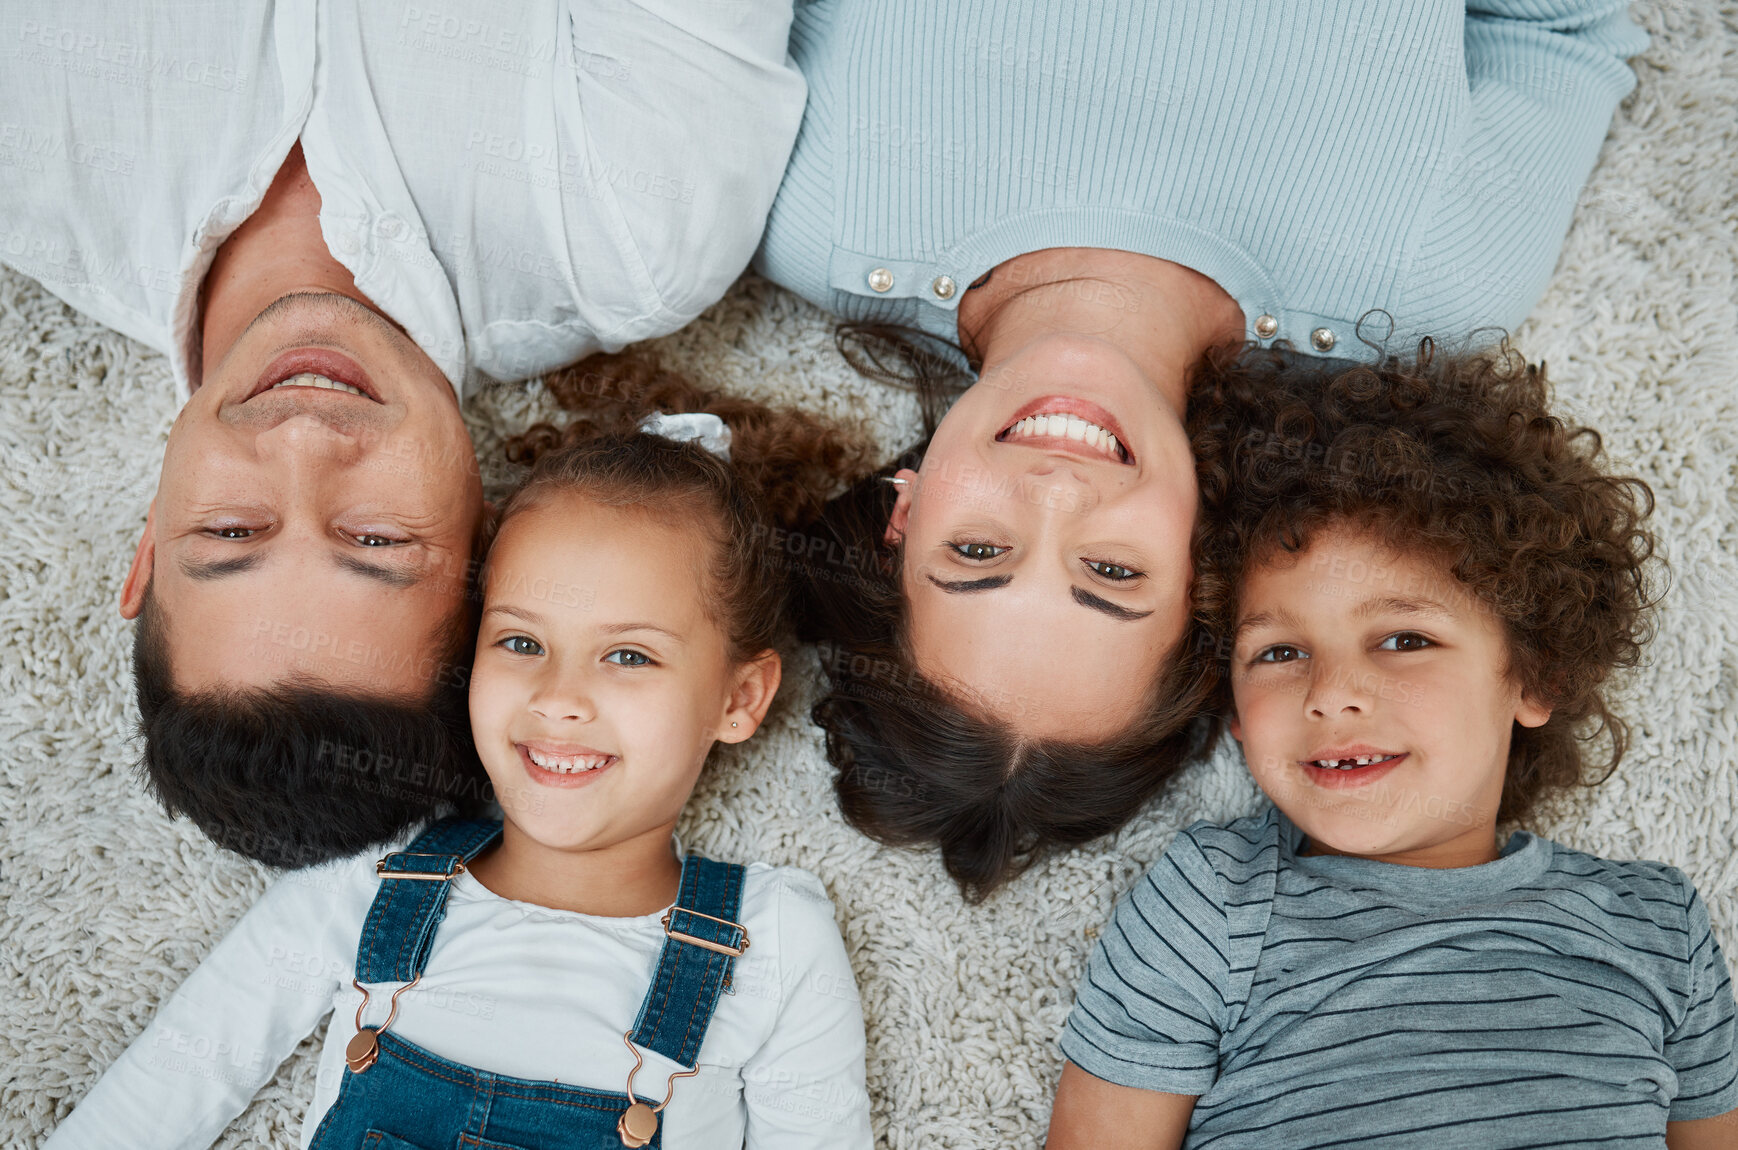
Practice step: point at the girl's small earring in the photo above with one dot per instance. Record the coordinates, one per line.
(733, 724)
(896, 480)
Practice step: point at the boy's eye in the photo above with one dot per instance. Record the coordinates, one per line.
(1406, 641)
(1280, 653)
(977, 552)
(1115, 572)
(521, 645)
(628, 658)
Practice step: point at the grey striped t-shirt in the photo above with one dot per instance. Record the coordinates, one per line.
(1548, 998)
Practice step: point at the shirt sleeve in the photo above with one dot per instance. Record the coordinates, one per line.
(1151, 1008)
(804, 1087)
(693, 105)
(1543, 80)
(222, 1034)
(1701, 1048)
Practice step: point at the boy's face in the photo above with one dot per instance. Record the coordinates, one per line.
(600, 683)
(1352, 654)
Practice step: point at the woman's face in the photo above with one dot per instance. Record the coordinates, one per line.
(1046, 568)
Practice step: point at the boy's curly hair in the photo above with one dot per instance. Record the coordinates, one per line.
(1458, 456)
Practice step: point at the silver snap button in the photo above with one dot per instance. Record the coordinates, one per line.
(880, 279)
(1265, 326)
(1323, 339)
(943, 287)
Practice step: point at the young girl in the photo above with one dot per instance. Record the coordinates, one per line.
(565, 976)
(1414, 592)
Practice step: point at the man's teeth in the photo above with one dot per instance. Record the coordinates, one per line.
(309, 379)
(567, 764)
(1350, 764)
(1067, 427)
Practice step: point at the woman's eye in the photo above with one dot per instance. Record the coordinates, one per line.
(521, 645)
(1280, 653)
(1115, 572)
(628, 658)
(1406, 641)
(977, 552)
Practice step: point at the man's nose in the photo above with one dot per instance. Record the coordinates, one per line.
(306, 438)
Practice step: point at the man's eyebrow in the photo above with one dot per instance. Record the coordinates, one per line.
(967, 586)
(391, 576)
(1087, 599)
(206, 569)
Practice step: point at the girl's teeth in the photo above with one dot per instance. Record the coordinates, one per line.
(309, 379)
(567, 764)
(1349, 764)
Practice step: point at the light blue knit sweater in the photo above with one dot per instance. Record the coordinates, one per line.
(1319, 159)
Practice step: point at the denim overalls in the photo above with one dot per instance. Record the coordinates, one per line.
(398, 1096)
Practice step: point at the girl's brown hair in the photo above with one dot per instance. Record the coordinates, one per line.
(783, 465)
(1455, 456)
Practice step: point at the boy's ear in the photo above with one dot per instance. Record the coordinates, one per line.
(756, 683)
(1531, 713)
(896, 522)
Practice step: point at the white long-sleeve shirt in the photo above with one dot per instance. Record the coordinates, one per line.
(517, 186)
(511, 988)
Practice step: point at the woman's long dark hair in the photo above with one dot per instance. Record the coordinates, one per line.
(918, 766)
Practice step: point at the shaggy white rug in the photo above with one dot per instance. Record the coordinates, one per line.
(107, 904)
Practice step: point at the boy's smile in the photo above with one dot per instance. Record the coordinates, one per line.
(1373, 702)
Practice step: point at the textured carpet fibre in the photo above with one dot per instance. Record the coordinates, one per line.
(106, 905)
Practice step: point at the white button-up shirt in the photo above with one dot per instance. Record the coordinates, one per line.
(516, 185)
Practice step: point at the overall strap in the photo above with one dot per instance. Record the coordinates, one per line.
(703, 937)
(399, 931)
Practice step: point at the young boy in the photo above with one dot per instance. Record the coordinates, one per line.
(1415, 593)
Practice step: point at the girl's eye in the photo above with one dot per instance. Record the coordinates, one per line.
(521, 645)
(1280, 653)
(1406, 641)
(628, 658)
(977, 552)
(1115, 572)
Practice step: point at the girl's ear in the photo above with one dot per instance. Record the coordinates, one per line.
(757, 682)
(1235, 726)
(901, 515)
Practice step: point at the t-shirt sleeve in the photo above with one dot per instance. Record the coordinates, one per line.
(1151, 1008)
(222, 1034)
(805, 1087)
(1701, 1048)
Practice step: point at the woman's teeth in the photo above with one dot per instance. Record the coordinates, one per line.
(1352, 764)
(309, 379)
(567, 764)
(1067, 427)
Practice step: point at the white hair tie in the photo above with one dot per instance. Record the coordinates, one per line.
(701, 427)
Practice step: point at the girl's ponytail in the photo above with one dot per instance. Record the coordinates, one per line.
(793, 460)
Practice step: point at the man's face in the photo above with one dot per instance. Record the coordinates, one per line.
(317, 511)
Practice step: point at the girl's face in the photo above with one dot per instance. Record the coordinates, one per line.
(600, 683)
(1046, 566)
(1348, 655)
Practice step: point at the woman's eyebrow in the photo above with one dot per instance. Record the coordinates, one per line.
(1087, 599)
(967, 586)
